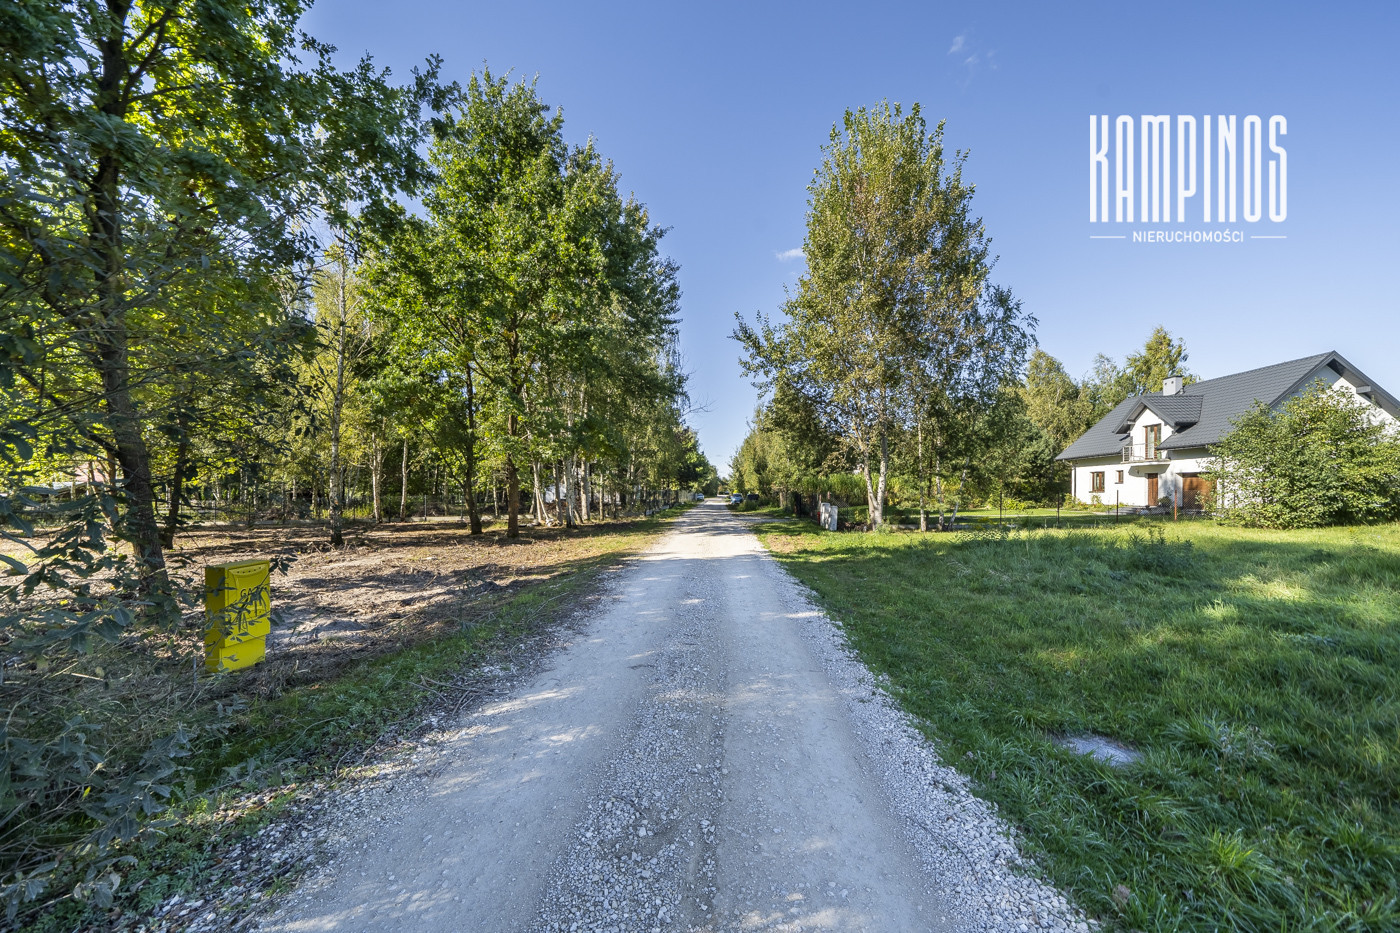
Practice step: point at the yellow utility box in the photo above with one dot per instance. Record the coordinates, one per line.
(237, 598)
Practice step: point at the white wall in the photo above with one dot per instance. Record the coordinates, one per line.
(1132, 492)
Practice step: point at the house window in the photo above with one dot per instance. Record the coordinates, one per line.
(1120, 477)
(1096, 482)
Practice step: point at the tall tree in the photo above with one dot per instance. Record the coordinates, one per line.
(537, 286)
(143, 137)
(1161, 356)
(1054, 402)
(502, 165)
(346, 338)
(895, 298)
(163, 162)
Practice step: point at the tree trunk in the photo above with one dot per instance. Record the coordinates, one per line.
(557, 476)
(376, 474)
(473, 512)
(571, 480)
(874, 494)
(473, 509)
(512, 497)
(938, 486)
(587, 494)
(177, 482)
(962, 481)
(541, 513)
(337, 403)
(879, 519)
(923, 483)
(403, 484)
(138, 524)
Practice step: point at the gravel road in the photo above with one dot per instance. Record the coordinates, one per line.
(704, 756)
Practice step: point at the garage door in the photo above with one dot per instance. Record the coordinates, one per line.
(1195, 491)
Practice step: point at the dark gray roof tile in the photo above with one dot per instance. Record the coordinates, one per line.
(1178, 410)
(1103, 439)
(1226, 399)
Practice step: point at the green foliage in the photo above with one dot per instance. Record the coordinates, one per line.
(1253, 669)
(163, 162)
(539, 292)
(174, 326)
(1160, 357)
(1055, 403)
(1142, 372)
(1322, 458)
(906, 338)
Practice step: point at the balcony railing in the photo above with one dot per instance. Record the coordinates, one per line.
(1143, 453)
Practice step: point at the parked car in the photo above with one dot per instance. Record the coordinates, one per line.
(699, 497)
(753, 497)
(735, 499)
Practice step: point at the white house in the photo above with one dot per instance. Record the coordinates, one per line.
(1152, 449)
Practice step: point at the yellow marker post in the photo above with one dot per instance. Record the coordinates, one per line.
(237, 598)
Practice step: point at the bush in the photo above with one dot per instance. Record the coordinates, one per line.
(1321, 459)
(80, 772)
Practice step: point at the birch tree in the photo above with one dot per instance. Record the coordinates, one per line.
(895, 296)
(346, 337)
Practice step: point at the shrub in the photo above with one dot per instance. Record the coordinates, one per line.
(1320, 459)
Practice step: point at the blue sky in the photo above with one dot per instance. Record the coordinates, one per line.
(715, 115)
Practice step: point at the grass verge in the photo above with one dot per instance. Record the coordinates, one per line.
(1256, 671)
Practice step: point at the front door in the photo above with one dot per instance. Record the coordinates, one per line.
(1151, 489)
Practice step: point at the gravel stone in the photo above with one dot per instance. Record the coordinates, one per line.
(695, 750)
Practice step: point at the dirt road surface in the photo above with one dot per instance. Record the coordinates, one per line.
(703, 756)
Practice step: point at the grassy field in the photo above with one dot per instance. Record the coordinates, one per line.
(1258, 673)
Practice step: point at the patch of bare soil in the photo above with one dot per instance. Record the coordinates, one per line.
(390, 586)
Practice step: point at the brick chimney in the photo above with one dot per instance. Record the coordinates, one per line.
(1172, 384)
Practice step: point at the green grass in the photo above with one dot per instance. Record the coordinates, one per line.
(1040, 518)
(1258, 672)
